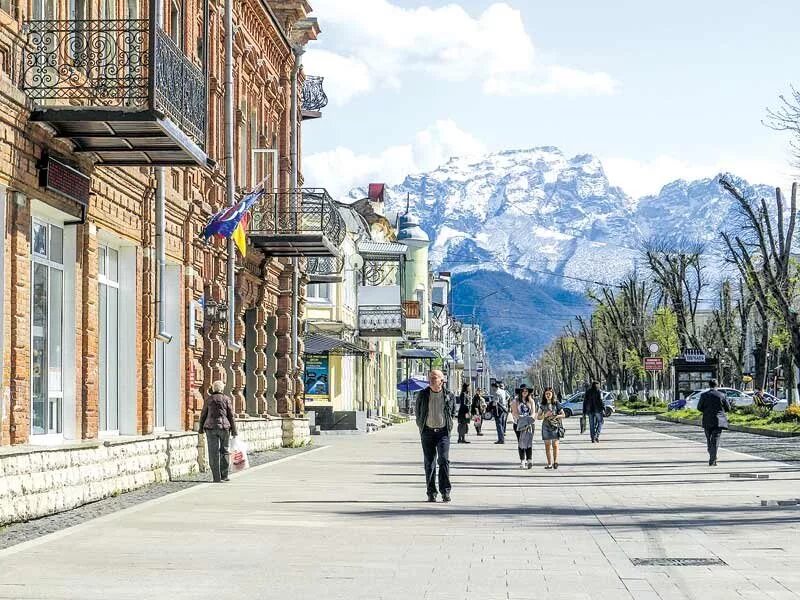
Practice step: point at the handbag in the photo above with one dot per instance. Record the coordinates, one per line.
(561, 431)
(583, 423)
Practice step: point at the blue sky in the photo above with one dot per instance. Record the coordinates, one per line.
(656, 91)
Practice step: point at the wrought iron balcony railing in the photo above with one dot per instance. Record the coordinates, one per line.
(285, 218)
(325, 268)
(381, 320)
(114, 63)
(314, 97)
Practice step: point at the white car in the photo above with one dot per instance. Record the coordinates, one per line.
(573, 405)
(735, 397)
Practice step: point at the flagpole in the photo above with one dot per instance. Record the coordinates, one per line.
(230, 183)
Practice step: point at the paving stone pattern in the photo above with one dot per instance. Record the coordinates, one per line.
(22, 532)
(780, 449)
(640, 515)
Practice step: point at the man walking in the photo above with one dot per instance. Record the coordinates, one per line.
(500, 411)
(435, 407)
(713, 404)
(593, 408)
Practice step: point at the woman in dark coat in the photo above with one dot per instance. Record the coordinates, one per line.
(478, 408)
(463, 414)
(218, 423)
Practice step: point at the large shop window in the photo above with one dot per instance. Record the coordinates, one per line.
(108, 367)
(47, 328)
(168, 356)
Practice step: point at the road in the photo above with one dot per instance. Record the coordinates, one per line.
(349, 520)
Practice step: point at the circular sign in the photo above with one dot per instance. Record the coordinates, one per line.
(653, 347)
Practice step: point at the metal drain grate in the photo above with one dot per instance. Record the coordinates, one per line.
(678, 562)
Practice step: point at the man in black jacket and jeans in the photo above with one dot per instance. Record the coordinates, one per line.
(713, 404)
(593, 408)
(435, 407)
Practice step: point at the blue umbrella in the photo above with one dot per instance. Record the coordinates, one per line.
(412, 385)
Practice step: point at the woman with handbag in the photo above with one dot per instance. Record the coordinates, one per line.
(523, 413)
(551, 414)
(477, 409)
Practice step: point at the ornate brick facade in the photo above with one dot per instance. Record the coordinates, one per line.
(121, 216)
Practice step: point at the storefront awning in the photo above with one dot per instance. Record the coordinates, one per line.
(416, 353)
(317, 344)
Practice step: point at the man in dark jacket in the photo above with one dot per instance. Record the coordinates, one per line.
(713, 404)
(593, 408)
(218, 423)
(435, 407)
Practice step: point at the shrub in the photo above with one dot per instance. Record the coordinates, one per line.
(622, 397)
(791, 414)
(748, 409)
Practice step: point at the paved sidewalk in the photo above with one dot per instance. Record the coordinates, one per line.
(350, 521)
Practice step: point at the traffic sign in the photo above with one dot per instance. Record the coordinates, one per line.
(653, 363)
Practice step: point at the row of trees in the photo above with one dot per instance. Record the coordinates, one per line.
(676, 304)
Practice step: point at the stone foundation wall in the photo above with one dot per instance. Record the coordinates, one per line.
(35, 482)
(261, 434)
(296, 432)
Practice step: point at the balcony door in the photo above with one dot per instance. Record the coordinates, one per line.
(109, 339)
(43, 9)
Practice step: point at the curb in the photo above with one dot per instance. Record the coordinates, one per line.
(732, 427)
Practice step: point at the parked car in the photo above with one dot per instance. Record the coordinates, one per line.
(573, 405)
(735, 397)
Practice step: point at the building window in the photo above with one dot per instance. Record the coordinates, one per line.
(108, 9)
(318, 292)
(108, 355)
(175, 23)
(47, 328)
(43, 9)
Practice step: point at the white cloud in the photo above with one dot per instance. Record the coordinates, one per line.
(642, 177)
(385, 43)
(340, 170)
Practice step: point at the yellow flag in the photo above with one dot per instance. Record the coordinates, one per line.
(240, 239)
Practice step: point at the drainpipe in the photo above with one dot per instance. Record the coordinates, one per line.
(230, 182)
(161, 257)
(294, 204)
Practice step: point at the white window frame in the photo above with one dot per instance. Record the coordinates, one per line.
(3, 208)
(35, 259)
(103, 279)
(316, 298)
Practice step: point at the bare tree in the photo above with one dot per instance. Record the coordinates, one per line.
(762, 251)
(678, 271)
(786, 117)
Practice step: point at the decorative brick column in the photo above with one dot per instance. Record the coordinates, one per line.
(20, 331)
(90, 331)
(284, 368)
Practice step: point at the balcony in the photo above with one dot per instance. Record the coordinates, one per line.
(304, 222)
(413, 319)
(314, 98)
(325, 269)
(380, 321)
(121, 89)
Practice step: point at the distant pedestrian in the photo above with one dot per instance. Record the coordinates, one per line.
(218, 423)
(523, 414)
(551, 414)
(713, 404)
(463, 414)
(500, 411)
(593, 408)
(435, 407)
(477, 409)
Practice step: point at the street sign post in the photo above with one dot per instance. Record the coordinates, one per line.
(653, 363)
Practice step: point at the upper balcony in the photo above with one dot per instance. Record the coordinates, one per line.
(304, 222)
(119, 88)
(314, 98)
(380, 306)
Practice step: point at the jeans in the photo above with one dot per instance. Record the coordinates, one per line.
(595, 425)
(500, 423)
(713, 435)
(217, 440)
(436, 442)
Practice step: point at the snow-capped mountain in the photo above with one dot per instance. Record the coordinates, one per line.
(542, 217)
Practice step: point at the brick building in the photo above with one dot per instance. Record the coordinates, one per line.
(95, 98)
